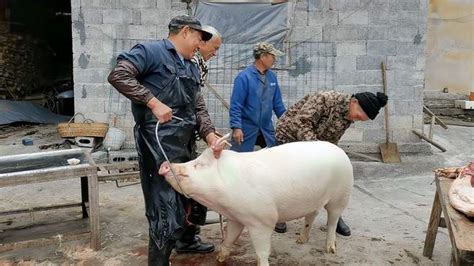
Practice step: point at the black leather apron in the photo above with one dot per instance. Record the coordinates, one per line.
(164, 207)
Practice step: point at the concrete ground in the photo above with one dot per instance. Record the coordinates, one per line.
(388, 213)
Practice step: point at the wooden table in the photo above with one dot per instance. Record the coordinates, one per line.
(460, 227)
(45, 167)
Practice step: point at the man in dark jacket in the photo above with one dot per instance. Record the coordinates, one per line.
(325, 116)
(161, 81)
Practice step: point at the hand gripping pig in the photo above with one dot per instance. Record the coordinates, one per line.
(259, 189)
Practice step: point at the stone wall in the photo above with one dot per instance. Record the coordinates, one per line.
(357, 36)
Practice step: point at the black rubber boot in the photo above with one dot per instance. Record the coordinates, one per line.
(198, 230)
(159, 257)
(342, 228)
(190, 243)
(195, 246)
(280, 228)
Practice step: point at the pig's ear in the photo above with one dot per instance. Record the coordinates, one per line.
(223, 139)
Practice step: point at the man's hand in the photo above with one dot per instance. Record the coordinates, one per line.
(211, 140)
(238, 135)
(160, 110)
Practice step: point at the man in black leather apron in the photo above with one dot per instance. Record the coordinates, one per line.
(160, 81)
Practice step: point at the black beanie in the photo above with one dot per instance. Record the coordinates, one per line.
(371, 103)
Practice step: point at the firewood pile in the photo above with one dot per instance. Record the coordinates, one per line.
(23, 65)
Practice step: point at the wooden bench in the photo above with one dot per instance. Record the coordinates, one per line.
(460, 227)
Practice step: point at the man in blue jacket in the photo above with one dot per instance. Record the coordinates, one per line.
(255, 96)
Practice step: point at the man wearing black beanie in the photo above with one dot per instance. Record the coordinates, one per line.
(325, 116)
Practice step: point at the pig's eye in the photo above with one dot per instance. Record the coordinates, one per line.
(198, 165)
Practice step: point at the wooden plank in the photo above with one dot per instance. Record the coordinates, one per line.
(445, 204)
(44, 230)
(43, 241)
(422, 136)
(461, 226)
(440, 122)
(432, 231)
(42, 208)
(94, 211)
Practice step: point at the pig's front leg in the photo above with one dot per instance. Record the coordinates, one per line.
(308, 223)
(233, 231)
(261, 240)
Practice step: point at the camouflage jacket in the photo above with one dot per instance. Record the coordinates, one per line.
(201, 63)
(204, 122)
(318, 116)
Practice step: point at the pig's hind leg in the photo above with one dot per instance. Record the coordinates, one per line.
(334, 212)
(233, 231)
(308, 223)
(261, 240)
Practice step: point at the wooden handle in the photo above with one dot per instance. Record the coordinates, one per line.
(384, 81)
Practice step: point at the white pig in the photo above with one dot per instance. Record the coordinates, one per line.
(259, 189)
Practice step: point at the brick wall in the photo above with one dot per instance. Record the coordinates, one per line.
(361, 33)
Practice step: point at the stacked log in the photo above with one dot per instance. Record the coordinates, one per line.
(23, 65)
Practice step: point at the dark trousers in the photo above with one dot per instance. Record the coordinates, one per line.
(161, 257)
(260, 140)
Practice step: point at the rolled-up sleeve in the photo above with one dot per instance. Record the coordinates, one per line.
(124, 78)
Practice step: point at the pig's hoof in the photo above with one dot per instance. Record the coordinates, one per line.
(302, 239)
(223, 254)
(331, 249)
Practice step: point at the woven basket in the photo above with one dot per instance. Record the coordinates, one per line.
(88, 128)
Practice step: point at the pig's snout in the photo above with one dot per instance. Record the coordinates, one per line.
(164, 168)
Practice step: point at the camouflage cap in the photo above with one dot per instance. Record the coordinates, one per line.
(266, 48)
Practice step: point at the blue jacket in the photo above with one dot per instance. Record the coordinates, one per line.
(251, 106)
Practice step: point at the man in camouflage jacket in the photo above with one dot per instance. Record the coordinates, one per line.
(325, 116)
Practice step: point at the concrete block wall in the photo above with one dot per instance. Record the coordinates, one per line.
(101, 30)
(341, 45)
(365, 33)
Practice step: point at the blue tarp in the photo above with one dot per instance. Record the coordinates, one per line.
(246, 23)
